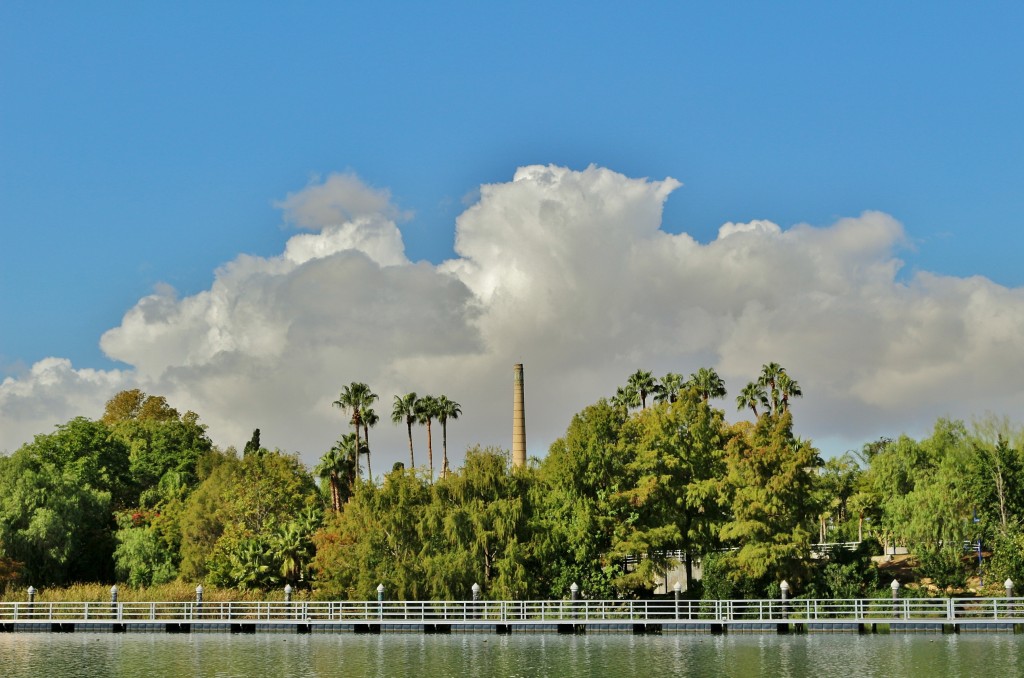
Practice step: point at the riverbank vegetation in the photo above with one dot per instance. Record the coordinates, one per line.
(641, 482)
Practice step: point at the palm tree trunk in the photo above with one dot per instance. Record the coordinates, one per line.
(335, 492)
(444, 449)
(412, 459)
(366, 436)
(355, 424)
(430, 451)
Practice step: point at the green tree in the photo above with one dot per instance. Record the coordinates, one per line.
(377, 538)
(52, 522)
(577, 518)
(669, 491)
(134, 405)
(229, 519)
(478, 530)
(253, 446)
(769, 487)
(142, 557)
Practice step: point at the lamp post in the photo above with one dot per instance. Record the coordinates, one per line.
(677, 591)
(895, 586)
(574, 591)
(287, 593)
(380, 600)
(476, 592)
(199, 594)
(31, 594)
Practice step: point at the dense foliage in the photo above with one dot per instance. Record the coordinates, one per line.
(648, 480)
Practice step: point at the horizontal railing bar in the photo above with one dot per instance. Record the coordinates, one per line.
(591, 611)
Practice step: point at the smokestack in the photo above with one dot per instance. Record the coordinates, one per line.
(518, 418)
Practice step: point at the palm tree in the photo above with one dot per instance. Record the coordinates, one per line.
(769, 380)
(625, 398)
(355, 397)
(446, 409)
(404, 409)
(369, 419)
(350, 447)
(426, 411)
(290, 547)
(332, 467)
(642, 383)
(707, 383)
(752, 395)
(668, 387)
(788, 388)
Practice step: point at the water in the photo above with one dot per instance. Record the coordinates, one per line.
(419, 656)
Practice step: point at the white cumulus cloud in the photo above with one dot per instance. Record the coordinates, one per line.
(570, 273)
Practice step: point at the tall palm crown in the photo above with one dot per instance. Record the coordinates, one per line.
(446, 409)
(404, 409)
(642, 383)
(752, 395)
(788, 388)
(354, 398)
(337, 467)
(668, 387)
(769, 380)
(707, 383)
(625, 398)
(426, 412)
(779, 385)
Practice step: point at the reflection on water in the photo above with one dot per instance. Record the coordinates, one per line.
(129, 655)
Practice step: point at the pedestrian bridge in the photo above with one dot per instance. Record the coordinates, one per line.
(950, 615)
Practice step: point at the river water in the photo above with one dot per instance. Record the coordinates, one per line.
(419, 656)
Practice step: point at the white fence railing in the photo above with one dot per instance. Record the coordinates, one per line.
(945, 610)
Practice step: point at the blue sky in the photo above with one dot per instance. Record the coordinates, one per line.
(145, 144)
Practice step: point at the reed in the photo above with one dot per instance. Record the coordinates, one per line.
(170, 592)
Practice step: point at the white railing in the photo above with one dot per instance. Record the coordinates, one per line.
(943, 610)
